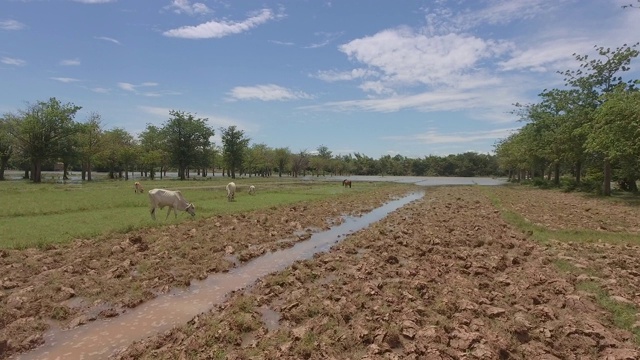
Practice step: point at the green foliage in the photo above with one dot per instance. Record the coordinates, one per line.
(187, 140)
(42, 131)
(234, 147)
(593, 121)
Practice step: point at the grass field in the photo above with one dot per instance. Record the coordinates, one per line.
(40, 214)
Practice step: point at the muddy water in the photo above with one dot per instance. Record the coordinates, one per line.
(102, 338)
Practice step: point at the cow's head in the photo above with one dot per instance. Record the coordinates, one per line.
(191, 209)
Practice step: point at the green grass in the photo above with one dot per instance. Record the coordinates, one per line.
(623, 315)
(544, 235)
(41, 214)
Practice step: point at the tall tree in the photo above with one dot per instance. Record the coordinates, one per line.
(153, 143)
(40, 129)
(282, 159)
(6, 147)
(89, 143)
(616, 133)
(186, 137)
(598, 76)
(115, 151)
(234, 146)
(299, 162)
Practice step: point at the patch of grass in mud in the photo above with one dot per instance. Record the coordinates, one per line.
(544, 235)
(307, 345)
(565, 266)
(623, 314)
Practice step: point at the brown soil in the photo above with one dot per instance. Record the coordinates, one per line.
(444, 277)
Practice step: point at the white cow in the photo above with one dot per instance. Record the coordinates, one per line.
(159, 198)
(231, 191)
(252, 190)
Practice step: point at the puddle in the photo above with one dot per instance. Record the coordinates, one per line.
(270, 318)
(103, 338)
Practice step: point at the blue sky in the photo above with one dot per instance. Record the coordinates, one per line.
(414, 78)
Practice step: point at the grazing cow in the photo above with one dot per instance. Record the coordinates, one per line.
(159, 198)
(231, 191)
(252, 190)
(138, 187)
(346, 183)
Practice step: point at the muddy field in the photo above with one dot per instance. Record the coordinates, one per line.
(444, 277)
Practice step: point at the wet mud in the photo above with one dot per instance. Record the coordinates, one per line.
(443, 277)
(63, 287)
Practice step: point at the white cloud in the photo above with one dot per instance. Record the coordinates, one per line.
(333, 75)
(70, 62)
(185, 6)
(219, 29)
(138, 89)
(441, 20)
(127, 86)
(491, 104)
(11, 25)
(404, 57)
(108, 39)
(285, 43)
(326, 39)
(162, 114)
(12, 61)
(64, 79)
(434, 137)
(269, 92)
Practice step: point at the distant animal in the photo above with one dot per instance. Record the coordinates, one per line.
(159, 198)
(231, 191)
(138, 187)
(252, 190)
(346, 183)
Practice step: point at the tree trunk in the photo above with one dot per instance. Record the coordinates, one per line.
(606, 185)
(3, 165)
(37, 171)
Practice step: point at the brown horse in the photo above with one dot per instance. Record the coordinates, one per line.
(346, 183)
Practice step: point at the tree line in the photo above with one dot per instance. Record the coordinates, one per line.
(588, 131)
(46, 133)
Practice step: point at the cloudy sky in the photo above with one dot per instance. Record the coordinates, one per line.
(414, 78)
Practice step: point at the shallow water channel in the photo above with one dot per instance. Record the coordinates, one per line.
(102, 338)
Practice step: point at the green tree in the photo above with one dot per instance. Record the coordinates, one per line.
(186, 138)
(299, 163)
(116, 151)
(598, 76)
(40, 130)
(282, 159)
(616, 132)
(234, 146)
(89, 138)
(6, 147)
(153, 144)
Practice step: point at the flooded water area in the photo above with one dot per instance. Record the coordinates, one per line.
(102, 338)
